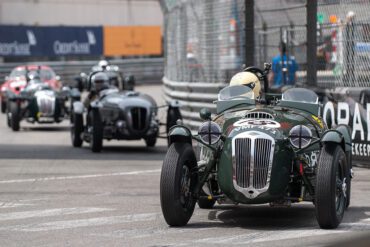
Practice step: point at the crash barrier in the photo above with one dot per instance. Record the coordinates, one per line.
(345, 105)
(192, 97)
(145, 70)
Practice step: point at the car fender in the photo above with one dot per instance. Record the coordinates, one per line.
(78, 107)
(346, 133)
(334, 136)
(179, 134)
(96, 104)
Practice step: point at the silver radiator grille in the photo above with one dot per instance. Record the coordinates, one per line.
(252, 163)
(259, 115)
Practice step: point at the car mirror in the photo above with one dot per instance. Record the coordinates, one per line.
(205, 114)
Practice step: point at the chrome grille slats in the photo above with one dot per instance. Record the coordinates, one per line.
(243, 147)
(252, 161)
(261, 164)
(258, 115)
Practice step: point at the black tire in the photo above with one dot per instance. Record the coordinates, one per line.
(96, 132)
(349, 163)
(178, 181)
(204, 202)
(3, 107)
(150, 142)
(173, 114)
(330, 201)
(77, 128)
(14, 116)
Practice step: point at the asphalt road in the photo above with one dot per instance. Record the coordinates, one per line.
(52, 194)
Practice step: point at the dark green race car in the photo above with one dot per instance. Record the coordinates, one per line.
(274, 149)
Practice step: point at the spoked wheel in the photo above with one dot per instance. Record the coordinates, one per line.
(76, 129)
(96, 131)
(178, 180)
(331, 186)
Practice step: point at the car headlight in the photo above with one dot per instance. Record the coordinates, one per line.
(300, 136)
(209, 132)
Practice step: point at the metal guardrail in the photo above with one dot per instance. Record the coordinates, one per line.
(192, 96)
(145, 70)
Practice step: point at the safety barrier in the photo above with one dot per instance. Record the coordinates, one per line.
(145, 70)
(192, 97)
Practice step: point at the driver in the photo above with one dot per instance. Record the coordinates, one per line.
(248, 79)
(99, 82)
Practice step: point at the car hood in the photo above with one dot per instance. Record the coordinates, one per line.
(128, 99)
(274, 121)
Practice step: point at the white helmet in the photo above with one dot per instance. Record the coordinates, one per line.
(100, 81)
(103, 64)
(248, 79)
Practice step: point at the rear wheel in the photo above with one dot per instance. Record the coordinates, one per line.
(178, 180)
(96, 131)
(14, 116)
(204, 202)
(150, 142)
(76, 129)
(331, 186)
(3, 107)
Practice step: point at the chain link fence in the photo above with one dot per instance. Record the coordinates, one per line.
(204, 39)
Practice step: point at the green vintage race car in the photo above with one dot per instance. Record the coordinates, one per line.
(272, 149)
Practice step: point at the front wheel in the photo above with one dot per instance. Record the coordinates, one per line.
(76, 129)
(331, 186)
(96, 131)
(14, 117)
(178, 181)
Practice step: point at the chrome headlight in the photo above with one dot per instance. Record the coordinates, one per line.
(209, 132)
(300, 136)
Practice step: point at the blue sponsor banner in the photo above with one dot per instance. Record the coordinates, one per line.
(50, 41)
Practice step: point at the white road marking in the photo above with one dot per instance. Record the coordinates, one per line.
(49, 212)
(91, 222)
(14, 205)
(78, 176)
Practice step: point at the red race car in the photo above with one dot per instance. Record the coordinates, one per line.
(18, 78)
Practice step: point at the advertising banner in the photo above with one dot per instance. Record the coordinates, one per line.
(20, 41)
(132, 40)
(50, 41)
(351, 107)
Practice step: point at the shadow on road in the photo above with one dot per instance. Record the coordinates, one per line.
(273, 218)
(60, 152)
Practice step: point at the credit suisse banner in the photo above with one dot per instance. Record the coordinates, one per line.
(86, 40)
(50, 41)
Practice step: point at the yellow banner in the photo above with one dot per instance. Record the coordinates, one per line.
(132, 40)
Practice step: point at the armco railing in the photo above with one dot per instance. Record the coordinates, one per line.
(145, 70)
(192, 96)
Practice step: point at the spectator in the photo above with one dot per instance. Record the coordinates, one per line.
(284, 69)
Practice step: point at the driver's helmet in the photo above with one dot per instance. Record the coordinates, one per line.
(248, 79)
(33, 77)
(100, 81)
(103, 64)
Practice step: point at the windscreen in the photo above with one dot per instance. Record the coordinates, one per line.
(300, 95)
(236, 92)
